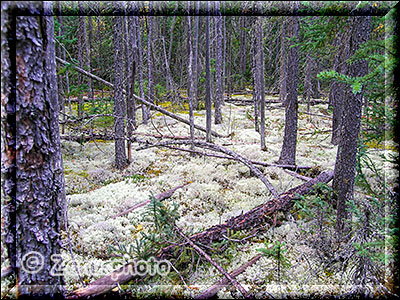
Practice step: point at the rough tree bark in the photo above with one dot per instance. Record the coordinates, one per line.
(336, 92)
(288, 152)
(119, 103)
(345, 167)
(32, 167)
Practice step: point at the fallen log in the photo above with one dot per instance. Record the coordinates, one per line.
(217, 266)
(148, 103)
(216, 287)
(160, 197)
(261, 214)
(301, 177)
(224, 150)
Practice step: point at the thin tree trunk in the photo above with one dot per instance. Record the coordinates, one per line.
(260, 50)
(218, 65)
(196, 58)
(150, 63)
(242, 51)
(119, 105)
(131, 59)
(145, 108)
(32, 166)
(307, 91)
(283, 70)
(80, 56)
(208, 77)
(190, 79)
(89, 55)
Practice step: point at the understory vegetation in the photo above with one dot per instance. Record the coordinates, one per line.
(301, 255)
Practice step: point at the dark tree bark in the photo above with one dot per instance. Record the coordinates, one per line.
(32, 166)
(119, 103)
(336, 92)
(208, 77)
(345, 167)
(288, 153)
(218, 65)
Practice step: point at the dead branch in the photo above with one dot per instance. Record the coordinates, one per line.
(261, 163)
(148, 103)
(224, 150)
(259, 215)
(216, 287)
(160, 197)
(304, 178)
(217, 266)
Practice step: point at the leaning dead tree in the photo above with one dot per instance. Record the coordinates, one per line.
(261, 215)
(145, 102)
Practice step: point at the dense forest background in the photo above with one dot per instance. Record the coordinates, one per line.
(107, 104)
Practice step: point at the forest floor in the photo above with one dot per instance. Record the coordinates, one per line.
(219, 189)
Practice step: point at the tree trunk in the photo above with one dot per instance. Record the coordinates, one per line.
(307, 91)
(336, 93)
(190, 79)
(196, 58)
(260, 50)
(218, 65)
(119, 103)
(243, 50)
(32, 167)
(150, 63)
(288, 153)
(283, 70)
(131, 59)
(208, 77)
(345, 167)
(81, 38)
(89, 55)
(145, 109)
